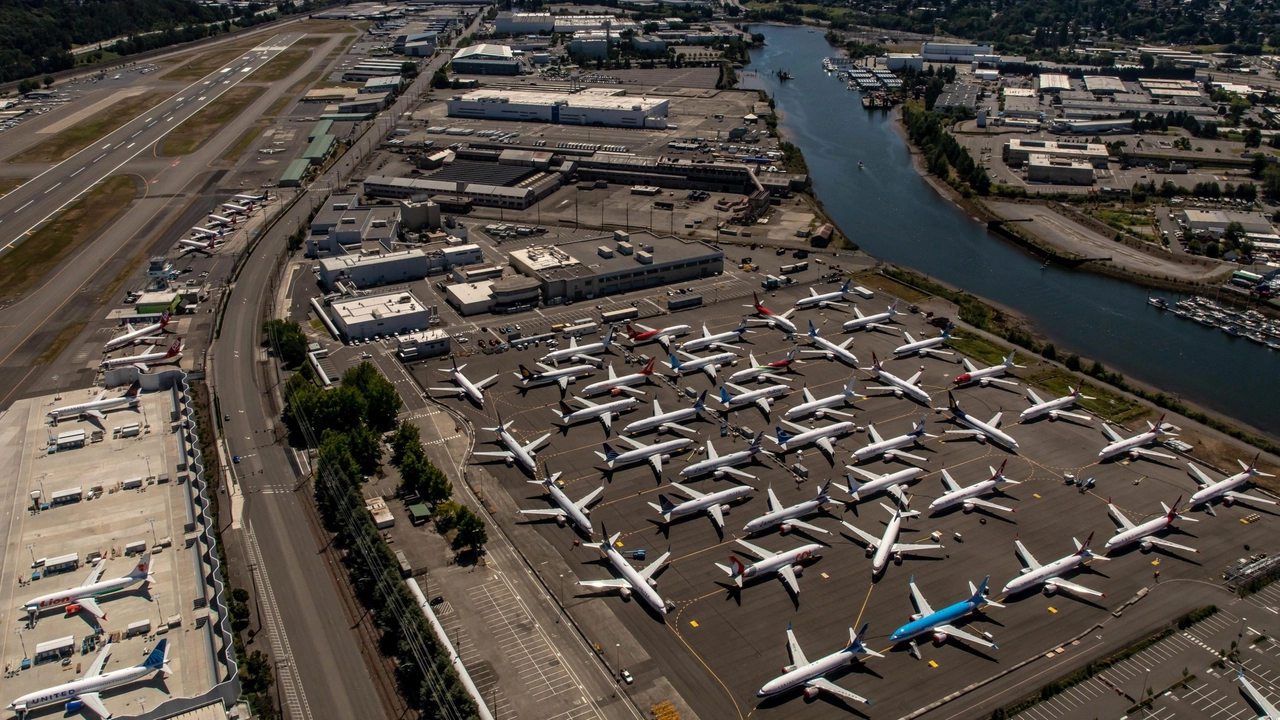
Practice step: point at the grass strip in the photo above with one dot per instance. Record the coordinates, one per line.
(198, 64)
(63, 145)
(281, 66)
(8, 185)
(40, 253)
(242, 144)
(198, 128)
(876, 281)
(60, 343)
(1112, 406)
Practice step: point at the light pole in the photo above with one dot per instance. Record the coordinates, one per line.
(1143, 696)
(152, 521)
(617, 656)
(18, 632)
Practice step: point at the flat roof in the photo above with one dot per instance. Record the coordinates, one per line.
(373, 307)
(485, 173)
(340, 262)
(667, 249)
(1054, 81)
(484, 51)
(1019, 92)
(604, 99)
(1104, 83)
(472, 292)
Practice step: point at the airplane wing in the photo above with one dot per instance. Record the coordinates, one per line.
(968, 365)
(995, 420)
(1169, 544)
(96, 414)
(1246, 498)
(875, 435)
(610, 584)
(563, 382)
(91, 606)
(789, 578)
(921, 604)
(825, 444)
(763, 404)
(530, 447)
(867, 537)
(545, 366)
(757, 550)
(1078, 416)
(710, 370)
(717, 515)
(95, 573)
(656, 461)
(94, 703)
(951, 484)
(959, 634)
(688, 491)
(773, 500)
(552, 512)
(1026, 555)
(739, 473)
(1201, 479)
(505, 455)
(797, 655)
(802, 524)
(654, 566)
(914, 547)
(914, 378)
(1035, 399)
(1152, 453)
(584, 502)
(711, 451)
(989, 505)
(1111, 434)
(1072, 587)
(834, 689)
(606, 419)
(486, 382)
(140, 365)
(99, 662)
(901, 454)
(1264, 704)
(1120, 517)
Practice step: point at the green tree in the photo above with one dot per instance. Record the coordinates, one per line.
(255, 673)
(48, 81)
(366, 449)
(407, 440)
(1253, 138)
(440, 79)
(409, 69)
(471, 532)
(287, 335)
(1147, 60)
(335, 458)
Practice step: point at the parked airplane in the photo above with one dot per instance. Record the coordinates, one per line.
(1225, 489)
(709, 364)
(968, 496)
(927, 346)
(603, 412)
(270, 151)
(896, 385)
(615, 384)
(760, 398)
(893, 483)
(831, 350)
(87, 691)
(206, 232)
(886, 547)
(772, 319)
(1050, 575)
(979, 430)
(248, 198)
(566, 510)
(515, 452)
(139, 334)
(715, 504)
(1133, 446)
(564, 377)
(1144, 533)
(190, 246)
(85, 596)
(581, 353)
(820, 436)
(810, 676)
(788, 518)
(789, 564)
(472, 391)
(1261, 703)
(235, 209)
(876, 321)
(222, 220)
(1053, 408)
(99, 406)
(662, 335)
(759, 372)
(654, 454)
(631, 581)
(721, 465)
(824, 300)
(988, 375)
(719, 340)
(890, 448)
(140, 361)
(668, 420)
(940, 624)
(821, 407)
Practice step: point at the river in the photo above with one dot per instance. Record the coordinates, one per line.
(894, 215)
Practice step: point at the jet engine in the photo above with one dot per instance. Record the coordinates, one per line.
(939, 638)
(811, 693)
(625, 593)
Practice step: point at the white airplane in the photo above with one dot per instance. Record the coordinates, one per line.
(639, 582)
(1260, 702)
(99, 406)
(566, 510)
(985, 376)
(719, 340)
(654, 454)
(890, 448)
(789, 564)
(824, 300)
(759, 372)
(1133, 447)
(923, 347)
(270, 151)
(709, 364)
(581, 353)
(1143, 533)
(886, 547)
(249, 198)
(810, 676)
(1049, 575)
(940, 624)
(206, 232)
(968, 497)
(142, 333)
(140, 361)
(235, 209)
(615, 385)
(896, 385)
(830, 350)
(474, 391)
(715, 504)
(876, 321)
(660, 335)
(979, 430)
(760, 398)
(788, 518)
(564, 377)
(821, 407)
(190, 246)
(893, 483)
(515, 452)
(85, 596)
(87, 691)
(222, 220)
(772, 319)
(820, 436)
(1225, 489)
(603, 412)
(720, 465)
(1054, 408)
(668, 420)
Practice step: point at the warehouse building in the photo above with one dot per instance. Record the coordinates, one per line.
(894, 62)
(524, 23)
(387, 314)
(602, 106)
(295, 173)
(953, 52)
(342, 221)
(385, 84)
(485, 59)
(1018, 151)
(514, 293)
(618, 263)
(365, 271)
(1103, 84)
(1046, 169)
(1054, 82)
(456, 192)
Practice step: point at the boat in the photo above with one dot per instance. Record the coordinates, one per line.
(860, 166)
(1232, 330)
(1205, 320)
(1274, 345)
(1158, 302)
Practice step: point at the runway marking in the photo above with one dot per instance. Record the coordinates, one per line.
(77, 172)
(99, 157)
(290, 679)
(54, 187)
(24, 207)
(126, 147)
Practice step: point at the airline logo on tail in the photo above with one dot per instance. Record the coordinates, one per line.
(610, 454)
(525, 373)
(156, 660)
(648, 369)
(1084, 549)
(702, 401)
(724, 395)
(665, 506)
(175, 348)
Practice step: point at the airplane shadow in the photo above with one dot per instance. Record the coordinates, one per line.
(825, 697)
(1030, 592)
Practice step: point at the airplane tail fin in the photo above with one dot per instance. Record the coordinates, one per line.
(980, 592)
(164, 319)
(813, 331)
(738, 569)
(946, 332)
(133, 390)
(702, 402)
(951, 402)
(826, 488)
(851, 387)
(754, 447)
(143, 569)
(875, 362)
(1172, 512)
(156, 659)
(742, 325)
(791, 354)
(665, 506)
(919, 428)
(525, 373)
(631, 333)
(648, 369)
(565, 410)
(782, 436)
(609, 453)
(675, 362)
(608, 337)
(1083, 550)
(175, 348)
(893, 309)
(845, 287)
(724, 395)
(999, 474)
(755, 297)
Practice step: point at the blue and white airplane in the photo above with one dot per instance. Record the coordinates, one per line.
(824, 300)
(810, 676)
(940, 623)
(830, 350)
(86, 693)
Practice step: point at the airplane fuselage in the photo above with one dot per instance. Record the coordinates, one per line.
(1220, 488)
(712, 464)
(468, 388)
(804, 438)
(879, 448)
(639, 585)
(705, 342)
(958, 496)
(521, 456)
(69, 691)
(1137, 532)
(562, 501)
(749, 398)
(796, 556)
(888, 481)
(617, 406)
(99, 405)
(780, 517)
(699, 363)
(820, 404)
(675, 416)
(648, 451)
(835, 351)
(608, 385)
(567, 353)
(990, 431)
(132, 335)
(71, 595)
(884, 550)
(1032, 578)
(917, 346)
(859, 323)
(660, 334)
(550, 376)
(704, 503)
(802, 675)
(1124, 446)
(946, 616)
(915, 392)
(1047, 407)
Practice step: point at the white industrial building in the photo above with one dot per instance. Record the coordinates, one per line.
(1054, 82)
(524, 23)
(1046, 169)
(369, 315)
(602, 106)
(953, 52)
(1018, 151)
(365, 271)
(903, 61)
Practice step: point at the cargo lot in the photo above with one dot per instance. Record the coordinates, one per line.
(717, 648)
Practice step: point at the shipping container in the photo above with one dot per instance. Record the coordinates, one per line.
(63, 497)
(684, 302)
(620, 315)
